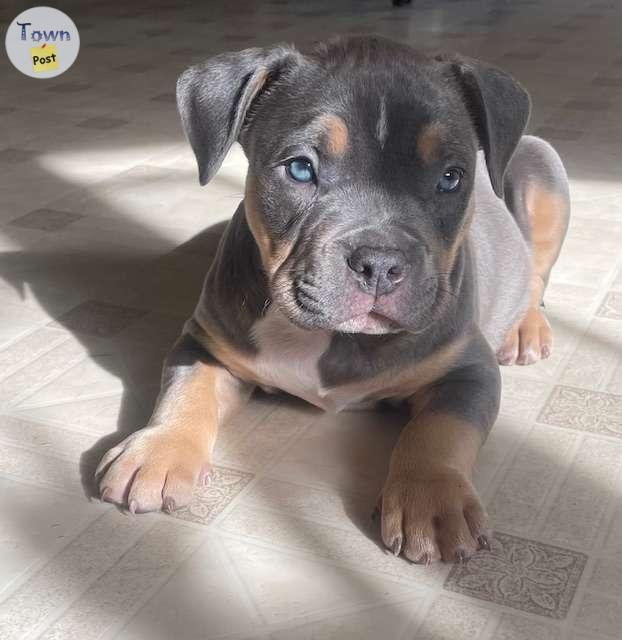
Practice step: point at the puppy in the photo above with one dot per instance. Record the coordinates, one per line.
(394, 243)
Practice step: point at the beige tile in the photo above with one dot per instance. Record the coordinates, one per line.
(453, 618)
(392, 622)
(600, 613)
(523, 490)
(577, 512)
(327, 589)
(36, 524)
(611, 306)
(361, 550)
(204, 598)
(69, 573)
(141, 569)
(512, 627)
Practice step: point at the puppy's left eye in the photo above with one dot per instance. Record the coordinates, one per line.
(300, 170)
(450, 180)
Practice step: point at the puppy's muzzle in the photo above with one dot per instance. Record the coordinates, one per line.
(377, 270)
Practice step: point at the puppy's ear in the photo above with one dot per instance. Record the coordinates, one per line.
(499, 107)
(213, 98)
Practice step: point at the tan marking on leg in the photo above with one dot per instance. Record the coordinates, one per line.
(548, 219)
(429, 141)
(337, 136)
(532, 339)
(429, 504)
(157, 467)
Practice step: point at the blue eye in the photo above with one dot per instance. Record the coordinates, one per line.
(300, 170)
(450, 180)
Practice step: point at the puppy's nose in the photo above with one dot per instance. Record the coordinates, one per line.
(377, 270)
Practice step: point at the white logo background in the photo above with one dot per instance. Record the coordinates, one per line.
(48, 26)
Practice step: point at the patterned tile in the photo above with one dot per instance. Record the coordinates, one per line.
(522, 574)
(210, 501)
(46, 219)
(102, 122)
(98, 318)
(611, 306)
(584, 410)
(15, 156)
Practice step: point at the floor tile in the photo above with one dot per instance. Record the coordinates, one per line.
(584, 410)
(102, 122)
(210, 501)
(99, 318)
(46, 219)
(522, 574)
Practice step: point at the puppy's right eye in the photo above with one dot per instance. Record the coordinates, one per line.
(300, 170)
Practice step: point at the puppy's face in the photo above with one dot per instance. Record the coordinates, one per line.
(359, 201)
(361, 164)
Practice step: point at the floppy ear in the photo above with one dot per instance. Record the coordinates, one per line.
(213, 98)
(500, 110)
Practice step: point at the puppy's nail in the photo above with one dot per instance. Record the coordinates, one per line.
(396, 548)
(133, 507)
(205, 477)
(484, 542)
(424, 559)
(168, 505)
(461, 556)
(545, 351)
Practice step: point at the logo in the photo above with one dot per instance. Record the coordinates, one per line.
(42, 42)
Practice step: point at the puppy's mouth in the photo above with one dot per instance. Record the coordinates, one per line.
(371, 322)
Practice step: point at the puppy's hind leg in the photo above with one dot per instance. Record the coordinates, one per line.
(537, 194)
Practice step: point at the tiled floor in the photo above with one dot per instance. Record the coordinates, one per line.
(105, 236)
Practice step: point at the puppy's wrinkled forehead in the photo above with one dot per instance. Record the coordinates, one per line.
(404, 117)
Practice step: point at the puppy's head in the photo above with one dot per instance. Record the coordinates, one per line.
(362, 157)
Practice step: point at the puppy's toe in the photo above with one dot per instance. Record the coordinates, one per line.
(508, 353)
(535, 337)
(152, 470)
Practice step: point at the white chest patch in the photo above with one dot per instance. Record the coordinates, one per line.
(288, 360)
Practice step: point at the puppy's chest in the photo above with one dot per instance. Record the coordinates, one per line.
(288, 359)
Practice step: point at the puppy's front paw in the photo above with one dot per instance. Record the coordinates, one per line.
(436, 515)
(530, 341)
(152, 469)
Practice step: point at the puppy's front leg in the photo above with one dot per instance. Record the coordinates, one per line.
(158, 466)
(430, 509)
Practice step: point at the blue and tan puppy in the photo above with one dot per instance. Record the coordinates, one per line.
(394, 243)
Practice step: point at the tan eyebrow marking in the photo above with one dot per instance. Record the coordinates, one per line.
(337, 133)
(429, 141)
